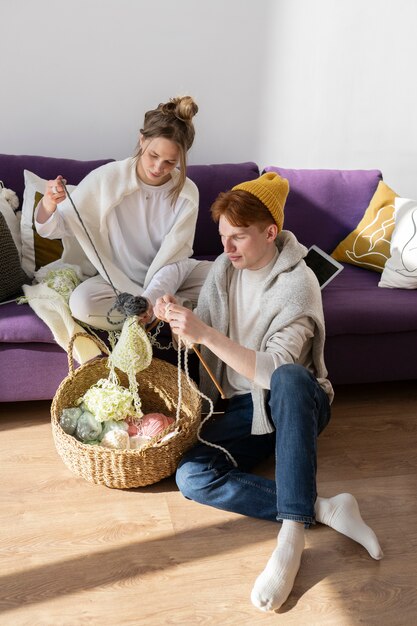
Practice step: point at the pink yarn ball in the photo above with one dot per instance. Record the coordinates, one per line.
(133, 427)
(152, 424)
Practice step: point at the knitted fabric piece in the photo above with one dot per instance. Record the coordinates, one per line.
(64, 281)
(131, 354)
(107, 401)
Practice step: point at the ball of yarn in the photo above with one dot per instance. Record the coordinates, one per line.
(131, 305)
(152, 424)
(132, 426)
(138, 441)
(116, 439)
(113, 425)
(69, 418)
(88, 428)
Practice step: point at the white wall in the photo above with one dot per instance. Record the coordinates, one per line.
(343, 88)
(78, 75)
(299, 83)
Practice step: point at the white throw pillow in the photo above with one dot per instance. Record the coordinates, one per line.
(36, 251)
(400, 270)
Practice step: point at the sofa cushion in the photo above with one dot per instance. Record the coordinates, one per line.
(12, 277)
(400, 270)
(9, 208)
(31, 371)
(37, 251)
(354, 304)
(368, 245)
(211, 180)
(19, 324)
(323, 206)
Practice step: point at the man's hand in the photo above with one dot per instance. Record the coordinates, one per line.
(160, 306)
(183, 322)
(192, 330)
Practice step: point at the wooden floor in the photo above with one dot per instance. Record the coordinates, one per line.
(75, 553)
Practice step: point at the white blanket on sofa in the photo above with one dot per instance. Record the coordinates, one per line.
(51, 307)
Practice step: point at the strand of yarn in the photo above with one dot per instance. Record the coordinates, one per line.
(155, 342)
(113, 337)
(202, 395)
(179, 383)
(125, 303)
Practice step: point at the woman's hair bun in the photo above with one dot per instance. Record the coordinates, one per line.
(183, 108)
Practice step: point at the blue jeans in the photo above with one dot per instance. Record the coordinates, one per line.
(299, 410)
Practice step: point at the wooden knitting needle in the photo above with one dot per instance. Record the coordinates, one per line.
(152, 325)
(209, 372)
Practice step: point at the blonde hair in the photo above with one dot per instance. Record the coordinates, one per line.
(172, 120)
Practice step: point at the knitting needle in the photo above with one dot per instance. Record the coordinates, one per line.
(152, 325)
(209, 372)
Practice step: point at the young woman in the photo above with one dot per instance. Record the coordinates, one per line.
(140, 214)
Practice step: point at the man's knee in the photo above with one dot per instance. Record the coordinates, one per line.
(190, 480)
(288, 375)
(182, 477)
(186, 478)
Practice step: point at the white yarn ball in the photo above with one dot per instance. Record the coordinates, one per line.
(116, 440)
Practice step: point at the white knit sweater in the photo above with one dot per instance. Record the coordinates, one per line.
(96, 198)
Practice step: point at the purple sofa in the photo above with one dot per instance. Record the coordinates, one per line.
(368, 328)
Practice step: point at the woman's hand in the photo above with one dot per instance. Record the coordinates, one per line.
(147, 316)
(54, 194)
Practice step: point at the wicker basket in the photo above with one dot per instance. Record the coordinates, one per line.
(123, 469)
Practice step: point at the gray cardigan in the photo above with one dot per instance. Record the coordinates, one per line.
(291, 291)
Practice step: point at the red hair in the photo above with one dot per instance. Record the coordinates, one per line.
(241, 208)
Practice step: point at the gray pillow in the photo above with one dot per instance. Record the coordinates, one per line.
(12, 277)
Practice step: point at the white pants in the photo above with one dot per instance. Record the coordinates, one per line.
(91, 301)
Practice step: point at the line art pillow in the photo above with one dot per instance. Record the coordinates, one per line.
(368, 245)
(37, 251)
(400, 271)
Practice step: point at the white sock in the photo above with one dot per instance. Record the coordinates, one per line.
(342, 514)
(274, 585)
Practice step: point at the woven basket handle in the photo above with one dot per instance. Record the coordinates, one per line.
(100, 344)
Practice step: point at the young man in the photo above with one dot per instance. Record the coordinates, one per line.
(259, 322)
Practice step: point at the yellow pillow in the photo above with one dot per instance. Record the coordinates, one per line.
(368, 245)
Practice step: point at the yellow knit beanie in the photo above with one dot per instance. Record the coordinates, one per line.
(271, 190)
